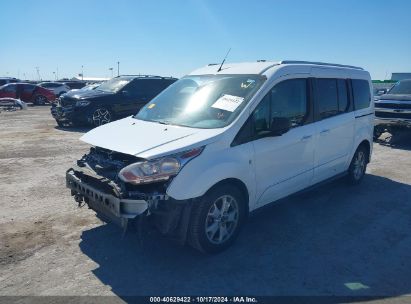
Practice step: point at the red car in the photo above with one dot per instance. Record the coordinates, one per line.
(27, 92)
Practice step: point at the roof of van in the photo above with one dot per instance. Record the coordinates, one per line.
(260, 66)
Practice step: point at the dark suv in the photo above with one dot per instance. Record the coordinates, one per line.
(117, 98)
(393, 110)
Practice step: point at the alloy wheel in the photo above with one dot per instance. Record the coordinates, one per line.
(359, 165)
(222, 219)
(101, 116)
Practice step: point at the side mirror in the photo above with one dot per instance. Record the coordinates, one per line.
(279, 126)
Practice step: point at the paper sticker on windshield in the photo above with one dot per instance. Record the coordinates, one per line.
(228, 103)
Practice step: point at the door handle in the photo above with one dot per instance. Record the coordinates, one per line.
(325, 131)
(306, 137)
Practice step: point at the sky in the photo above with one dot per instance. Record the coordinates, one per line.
(174, 37)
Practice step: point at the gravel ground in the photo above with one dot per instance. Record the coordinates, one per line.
(335, 240)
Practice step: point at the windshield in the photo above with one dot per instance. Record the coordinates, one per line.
(206, 101)
(401, 87)
(113, 85)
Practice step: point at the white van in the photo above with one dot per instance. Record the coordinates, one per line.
(224, 141)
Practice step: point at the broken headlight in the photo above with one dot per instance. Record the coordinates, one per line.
(157, 170)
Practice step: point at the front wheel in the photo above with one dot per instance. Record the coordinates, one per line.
(216, 219)
(100, 116)
(358, 165)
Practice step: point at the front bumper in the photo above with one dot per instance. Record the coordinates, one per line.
(68, 115)
(117, 209)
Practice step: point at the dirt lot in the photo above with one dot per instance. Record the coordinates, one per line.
(336, 240)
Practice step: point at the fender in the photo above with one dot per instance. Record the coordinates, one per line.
(212, 166)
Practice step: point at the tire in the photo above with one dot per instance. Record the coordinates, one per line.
(209, 230)
(100, 116)
(358, 165)
(60, 124)
(40, 100)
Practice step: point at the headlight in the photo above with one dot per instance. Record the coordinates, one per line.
(156, 170)
(82, 103)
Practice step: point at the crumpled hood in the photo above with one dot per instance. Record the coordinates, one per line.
(148, 139)
(405, 97)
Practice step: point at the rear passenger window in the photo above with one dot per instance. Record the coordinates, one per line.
(361, 92)
(28, 88)
(327, 96)
(145, 88)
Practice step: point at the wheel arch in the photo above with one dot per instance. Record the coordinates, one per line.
(367, 145)
(236, 183)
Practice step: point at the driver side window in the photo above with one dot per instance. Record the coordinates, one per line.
(287, 99)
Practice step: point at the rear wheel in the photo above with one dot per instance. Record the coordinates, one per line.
(40, 100)
(100, 116)
(358, 165)
(216, 219)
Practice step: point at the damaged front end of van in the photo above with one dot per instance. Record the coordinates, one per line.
(122, 188)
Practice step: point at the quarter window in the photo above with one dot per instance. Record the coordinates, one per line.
(361, 92)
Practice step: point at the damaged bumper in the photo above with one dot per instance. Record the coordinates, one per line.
(169, 216)
(68, 115)
(101, 202)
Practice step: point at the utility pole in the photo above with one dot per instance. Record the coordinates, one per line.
(82, 73)
(118, 68)
(38, 72)
(54, 73)
(57, 73)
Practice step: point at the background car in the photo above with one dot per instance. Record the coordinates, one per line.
(12, 104)
(6, 80)
(73, 84)
(57, 87)
(28, 93)
(117, 98)
(393, 109)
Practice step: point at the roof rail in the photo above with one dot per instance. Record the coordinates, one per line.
(320, 63)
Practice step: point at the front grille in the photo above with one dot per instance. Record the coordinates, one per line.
(404, 106)
(67, 101)
(392, 115)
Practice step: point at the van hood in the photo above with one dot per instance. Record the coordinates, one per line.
(147, 139)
